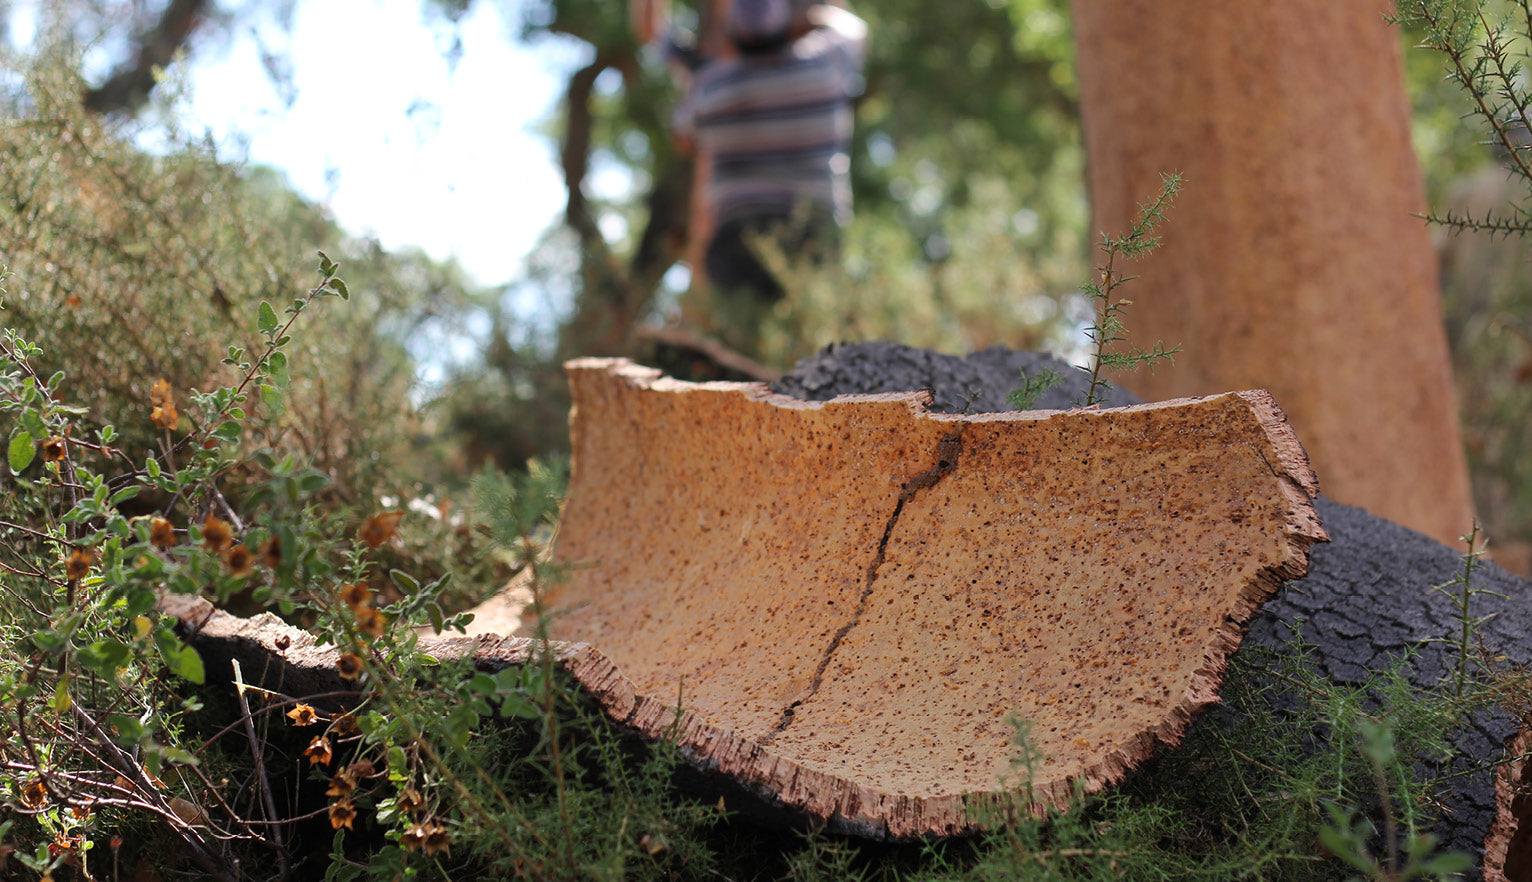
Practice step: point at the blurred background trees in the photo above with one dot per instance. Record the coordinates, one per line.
(971, 230)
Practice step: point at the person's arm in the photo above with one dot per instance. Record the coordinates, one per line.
(839, 19)
(648, 19)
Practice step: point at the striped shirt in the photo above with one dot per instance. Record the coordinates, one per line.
(777, 127)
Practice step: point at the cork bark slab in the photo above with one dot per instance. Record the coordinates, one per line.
(850, 598)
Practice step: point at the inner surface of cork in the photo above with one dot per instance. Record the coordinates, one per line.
(860, 589)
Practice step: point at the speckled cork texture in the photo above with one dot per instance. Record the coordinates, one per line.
(849, 598)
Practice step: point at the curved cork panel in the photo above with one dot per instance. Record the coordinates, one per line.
(1508, 845)
(850, 598)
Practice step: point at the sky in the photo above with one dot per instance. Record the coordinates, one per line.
(383, 128)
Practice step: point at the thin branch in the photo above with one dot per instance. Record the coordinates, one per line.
(260, 770)
(129, 86)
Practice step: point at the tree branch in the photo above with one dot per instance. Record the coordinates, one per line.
(128, 88)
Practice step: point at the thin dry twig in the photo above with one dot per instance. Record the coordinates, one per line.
(260, 770)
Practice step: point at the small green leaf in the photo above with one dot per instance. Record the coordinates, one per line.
(105, 656)
(188, 664)
(168, 645)
(33, 424)
(266, 318)
(276, 368)
(49, 641)
(152, 466)
(518, 704)
(22, 451)
(129, 729)
(140, 599)
(407, 583)
(340, 288)
(180, 754)
(312, 482)
(61, 700)
(125, 494)
(326, 265)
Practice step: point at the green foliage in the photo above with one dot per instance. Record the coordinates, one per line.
(1108, 329)
(1463, 591)
(1482, 46)
(104, 726)
(1483, 52)
(991, 287)
(1024, 397)
(1349, 836)
(90, 677)
(136, 266)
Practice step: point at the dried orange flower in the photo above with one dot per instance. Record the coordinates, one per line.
(164, 414)
(77, 565)
(410, 801)
(159, 391)
(344, 725)
(240, 560)
(428, 837)
(380, 528)
(343, 784)
(216, 534)
(161, 533)
(303, 715)
(81, 811)
(435, 840)
(319, 752)
(34, 796)
(54, 449)
(362, 768)
(270, 552)
(349, 665)
(65, 844)
(342, 813)
(355, 594)
(369, 621)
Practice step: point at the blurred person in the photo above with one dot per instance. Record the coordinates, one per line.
(771, 124)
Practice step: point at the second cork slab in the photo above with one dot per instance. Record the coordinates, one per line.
(853, 601)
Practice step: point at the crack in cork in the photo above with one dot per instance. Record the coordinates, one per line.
(948, 449)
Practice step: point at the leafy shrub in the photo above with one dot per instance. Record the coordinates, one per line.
(137, 266)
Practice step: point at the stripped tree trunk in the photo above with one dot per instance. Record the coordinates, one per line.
(1292, 261)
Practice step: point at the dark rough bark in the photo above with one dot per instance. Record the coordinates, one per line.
(977, 383)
